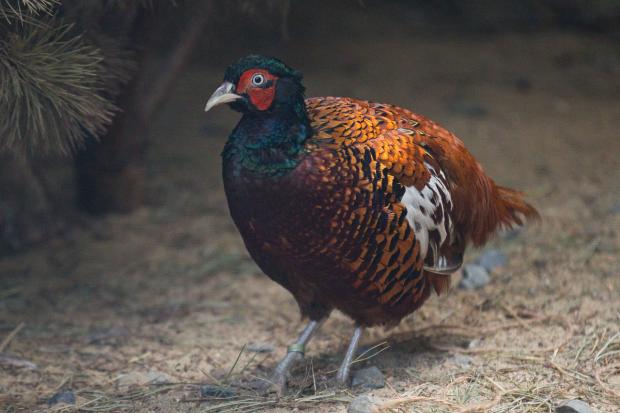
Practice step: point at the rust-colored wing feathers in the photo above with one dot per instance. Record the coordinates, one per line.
(428, 195)
(406, 143)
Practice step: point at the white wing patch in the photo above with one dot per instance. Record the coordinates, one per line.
(429, 212)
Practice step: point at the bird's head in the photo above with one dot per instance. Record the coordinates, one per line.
(258, 84)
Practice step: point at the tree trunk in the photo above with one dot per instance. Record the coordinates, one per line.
(111, 172)
(26, 212)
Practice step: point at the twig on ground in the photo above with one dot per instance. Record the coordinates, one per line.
(234, 364)
(313, 376)
(63, 382)
(514, 315)
(391, 404)
(15, 361)
(5, 343)
(362, 357)
(601, 353)
(609, 390)
(483, 407)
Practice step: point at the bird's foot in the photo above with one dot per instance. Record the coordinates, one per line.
(276, 383)
(342, 383)
(342, 380)
(278, 378)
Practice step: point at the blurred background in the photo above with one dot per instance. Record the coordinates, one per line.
(117, 253)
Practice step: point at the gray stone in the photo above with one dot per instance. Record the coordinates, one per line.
(512, 234)
(467, 107)
(474, 277)
(212, 390)
(461, 361)
(492, 260)
(362, 404)
(108, 336)
(157, 377)
(574, 406)
(63, 396)
(260, 348)
(368, 378)
(523, 84)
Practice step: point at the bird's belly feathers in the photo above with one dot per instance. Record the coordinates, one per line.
(329, 243)
(277, 221)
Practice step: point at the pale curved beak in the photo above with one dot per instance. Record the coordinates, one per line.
(223, 94)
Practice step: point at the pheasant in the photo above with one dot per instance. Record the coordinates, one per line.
(352, 205)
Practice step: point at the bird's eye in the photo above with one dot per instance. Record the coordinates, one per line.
(258, 79)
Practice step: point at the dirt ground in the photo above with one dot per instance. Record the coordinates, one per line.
(169, 293)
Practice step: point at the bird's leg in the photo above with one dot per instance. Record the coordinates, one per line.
(345, 368)
(295, 353)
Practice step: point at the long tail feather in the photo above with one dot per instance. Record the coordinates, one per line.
(506, 209)
(513, 209)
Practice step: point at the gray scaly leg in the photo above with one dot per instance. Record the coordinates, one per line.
(345, 368)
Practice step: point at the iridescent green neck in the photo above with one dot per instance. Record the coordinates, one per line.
(270, 144)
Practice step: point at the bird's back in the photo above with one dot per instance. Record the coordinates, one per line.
(413, 149)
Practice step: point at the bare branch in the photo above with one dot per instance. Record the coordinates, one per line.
(156, 91)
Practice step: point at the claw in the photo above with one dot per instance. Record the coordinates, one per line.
(275, 384)
(340, 384)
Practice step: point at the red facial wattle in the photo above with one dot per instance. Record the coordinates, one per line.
(260, 97)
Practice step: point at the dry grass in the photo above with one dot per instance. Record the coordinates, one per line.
(578, 366)
(170, 289)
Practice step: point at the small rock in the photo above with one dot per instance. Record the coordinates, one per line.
(615, 209)
(487, 305)
(461, 361)
(260, 348)
(362, 404)
(466, 107)
(523, 84)
(369, 378)
(63, 396)
(512, 234)
(492, 260)
(400, 386)
(474, 277)
(156, 377)
(109, 336)
(574, 406)
(212, 390)
(136, 378)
